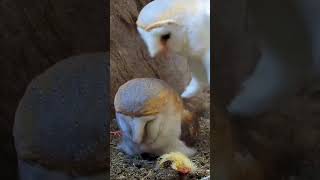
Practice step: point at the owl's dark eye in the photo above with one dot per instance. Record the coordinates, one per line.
(165, 37)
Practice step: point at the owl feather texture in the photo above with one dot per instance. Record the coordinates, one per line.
(181, 27)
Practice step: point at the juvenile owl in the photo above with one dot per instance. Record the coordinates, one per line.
(150, 115)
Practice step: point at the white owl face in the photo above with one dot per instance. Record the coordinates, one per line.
(164, 39)
(149, 133)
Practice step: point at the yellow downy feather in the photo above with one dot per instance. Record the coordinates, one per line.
(180, 162)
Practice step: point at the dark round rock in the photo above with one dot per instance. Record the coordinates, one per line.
(61, 121)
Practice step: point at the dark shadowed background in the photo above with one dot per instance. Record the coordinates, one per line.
(286, 142)
(34, 35)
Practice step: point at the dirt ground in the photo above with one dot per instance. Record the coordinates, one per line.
(123, 167)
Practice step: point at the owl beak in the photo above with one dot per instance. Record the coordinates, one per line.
(155, 51)
(164, 48)
(163, 51)
(138, 131)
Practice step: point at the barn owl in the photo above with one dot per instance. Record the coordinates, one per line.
(149, 114)
(181, 27)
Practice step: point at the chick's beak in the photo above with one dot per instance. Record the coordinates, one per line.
(184, 170)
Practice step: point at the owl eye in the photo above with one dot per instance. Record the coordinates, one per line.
(165, 37)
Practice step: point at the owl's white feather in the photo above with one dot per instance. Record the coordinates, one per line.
(182, 27)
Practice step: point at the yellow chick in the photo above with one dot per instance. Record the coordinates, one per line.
(179, 162)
